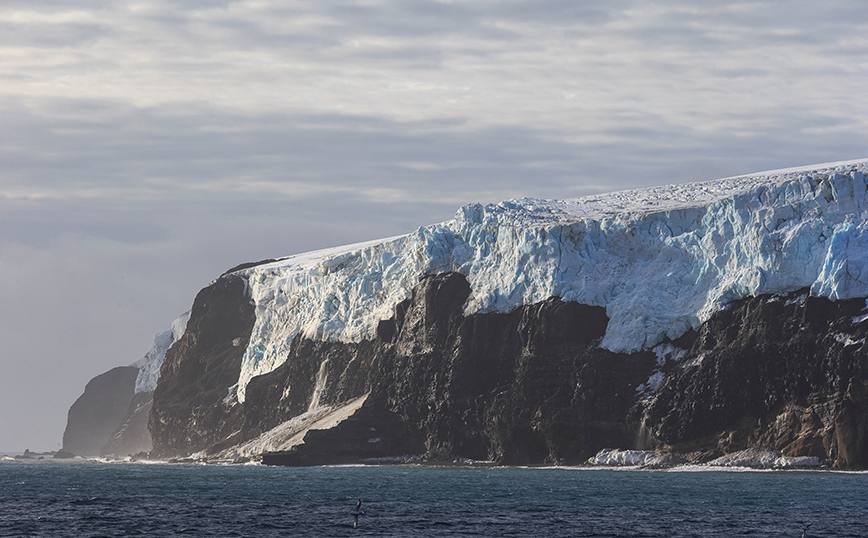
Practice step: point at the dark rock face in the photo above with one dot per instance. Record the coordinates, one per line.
(786, 373)
(188, 411)
(530, 386)
(99, 411)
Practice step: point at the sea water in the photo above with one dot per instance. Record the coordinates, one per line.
(89, 499)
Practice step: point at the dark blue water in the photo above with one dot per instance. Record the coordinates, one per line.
(109, 500)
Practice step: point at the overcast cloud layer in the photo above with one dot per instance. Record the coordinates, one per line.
(147, 146)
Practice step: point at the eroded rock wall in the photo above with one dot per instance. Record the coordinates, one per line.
(188, 412)
(529, 386)
(789, 373)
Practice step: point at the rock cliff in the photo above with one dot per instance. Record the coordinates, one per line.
(527, 386)
(700, 320)
(188, 408)
(787, 372)
(533, 386)
(99, 411)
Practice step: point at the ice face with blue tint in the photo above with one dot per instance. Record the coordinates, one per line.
(661, 260)
(149, 365)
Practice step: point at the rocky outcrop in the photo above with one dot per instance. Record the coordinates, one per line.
(789, 373)
(99, 411)
(527, 386)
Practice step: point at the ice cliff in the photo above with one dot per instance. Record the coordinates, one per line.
(149, 365)
(660, 261)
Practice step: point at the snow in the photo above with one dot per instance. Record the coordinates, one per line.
(847, 340)
(291, 433)
(616, 457)
(752, 458)
(859, 319)
(660, 260)
(763, 458)
(665, 353)
(655, 381)
(149, 365)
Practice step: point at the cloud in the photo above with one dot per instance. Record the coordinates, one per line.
(489, 63)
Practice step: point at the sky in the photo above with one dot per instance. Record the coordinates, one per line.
(147, 146)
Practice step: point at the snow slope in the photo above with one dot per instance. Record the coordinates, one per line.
(291, 433)
(660, 260)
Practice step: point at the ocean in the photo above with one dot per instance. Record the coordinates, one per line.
(92, 499)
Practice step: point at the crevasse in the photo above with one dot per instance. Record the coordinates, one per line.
(660, 260)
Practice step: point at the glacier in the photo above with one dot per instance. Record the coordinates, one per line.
(660, 260)
(149, 365)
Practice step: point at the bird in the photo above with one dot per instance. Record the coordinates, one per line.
(356, 513)
(803, 530)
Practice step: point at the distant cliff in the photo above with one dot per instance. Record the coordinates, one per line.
(99, 412)
(697, 319)
(111, 417)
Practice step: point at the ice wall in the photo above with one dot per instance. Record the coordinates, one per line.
(659, 260)
(149, 365)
